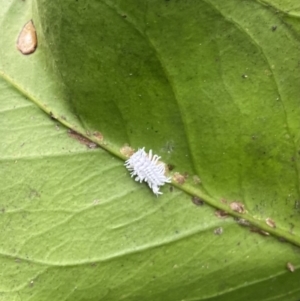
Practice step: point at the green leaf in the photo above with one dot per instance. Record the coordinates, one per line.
(212, 87)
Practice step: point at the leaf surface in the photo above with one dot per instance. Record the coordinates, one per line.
(212, 87)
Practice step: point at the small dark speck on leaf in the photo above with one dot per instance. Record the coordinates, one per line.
(170, 167)
(92, 145)
(171, 188)
(282, 239)
(221, 214)
(218, 231)
(52, 116)
(244, 76)
(274, 27)
(259, 231)
(242, 221)
(197, 201)
(34, 194)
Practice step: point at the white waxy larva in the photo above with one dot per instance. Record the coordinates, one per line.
(145, 167)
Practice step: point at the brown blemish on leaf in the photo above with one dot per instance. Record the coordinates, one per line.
(242, 221)
(126, 151)
(52, 116)
(27, 40)
(170, 167)
(218, 231)
(290, 267)
(237, 207)
(259, 231)
(270, 223)
(98, 136)
(81, 139)
(197, 201)
(167, 169)
(178, 178)
(221, 214)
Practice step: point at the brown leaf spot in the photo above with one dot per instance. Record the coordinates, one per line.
(81, 139)
(178, 178)
(221, 214)
(126, 151)
(170, 167)
(242, 221)
(98, 136)
(259, 231)
(52, 116)
(238, 207)
(197, 201)
(274, 27)
(27, 40)
(290, 267)
(270, 223)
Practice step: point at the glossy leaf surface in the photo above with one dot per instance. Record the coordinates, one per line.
(212, 87)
